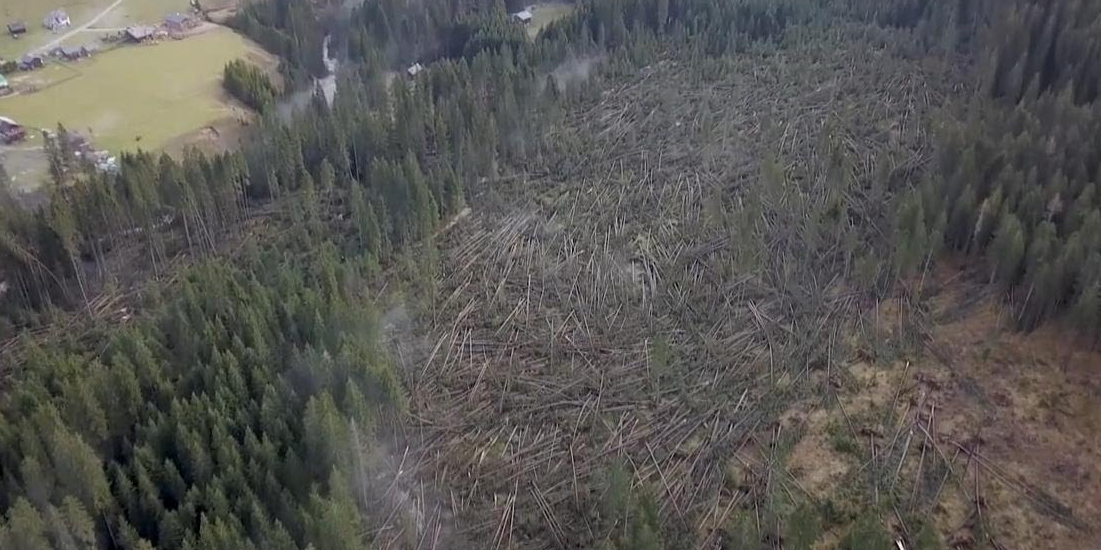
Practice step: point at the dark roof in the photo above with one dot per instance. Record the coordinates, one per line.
(31, 58)
(17, 26)
(72, 51)
(177, 18)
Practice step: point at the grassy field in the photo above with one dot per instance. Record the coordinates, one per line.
(139, 96)
(133, 12)
(543, 14)
(32, 12)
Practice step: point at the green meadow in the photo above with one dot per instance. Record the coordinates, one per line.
(138, 96)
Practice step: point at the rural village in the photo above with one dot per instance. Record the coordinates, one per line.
(51, 63)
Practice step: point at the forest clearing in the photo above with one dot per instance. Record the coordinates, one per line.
(544, 14)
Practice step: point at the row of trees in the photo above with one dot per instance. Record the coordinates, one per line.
(290, 29)
(250, 84)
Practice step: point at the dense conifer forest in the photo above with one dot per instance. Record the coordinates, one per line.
(194, 353)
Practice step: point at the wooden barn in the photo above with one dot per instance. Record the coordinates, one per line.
(11, 131)
(140, 33)
(17, 29)
(31, 61)
(179, 22)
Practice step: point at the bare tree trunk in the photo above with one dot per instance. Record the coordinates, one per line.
(80, 282)
(187, 232)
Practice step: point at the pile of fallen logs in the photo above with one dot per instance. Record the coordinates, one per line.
(662, 300)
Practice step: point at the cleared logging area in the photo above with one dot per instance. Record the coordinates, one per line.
(687, 258)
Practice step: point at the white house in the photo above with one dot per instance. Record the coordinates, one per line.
(56, 20)
(523, 16)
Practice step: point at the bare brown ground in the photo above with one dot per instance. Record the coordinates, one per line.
(1017, 416)
(1029, 405)
(222, 135)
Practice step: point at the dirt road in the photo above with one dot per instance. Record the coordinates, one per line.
(57, 41)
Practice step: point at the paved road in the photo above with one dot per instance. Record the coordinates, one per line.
(72, 32)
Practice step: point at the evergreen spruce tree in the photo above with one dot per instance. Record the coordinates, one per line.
(24, 528)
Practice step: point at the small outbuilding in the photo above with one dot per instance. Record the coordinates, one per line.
(30, 62)
(140, 33)
(17, 29)
(524, 16)
(11, 131)
(179, 22)
(414, 69)
(72, 53)
(5, 88)
(57, 20)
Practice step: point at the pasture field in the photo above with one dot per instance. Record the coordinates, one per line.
(544, 14)
(140, 96)
(134, 12)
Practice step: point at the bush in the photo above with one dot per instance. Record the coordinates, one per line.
(866, 534)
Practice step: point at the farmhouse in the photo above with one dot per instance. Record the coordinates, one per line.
(179, 22)
(523, 16)
(140, 33)
(11, 131)
(17, 28)
(72, 53)
(57, 20)
(31, 61)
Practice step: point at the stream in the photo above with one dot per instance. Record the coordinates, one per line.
(298, 100)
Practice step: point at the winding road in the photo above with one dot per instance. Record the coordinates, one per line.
(72, 32)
